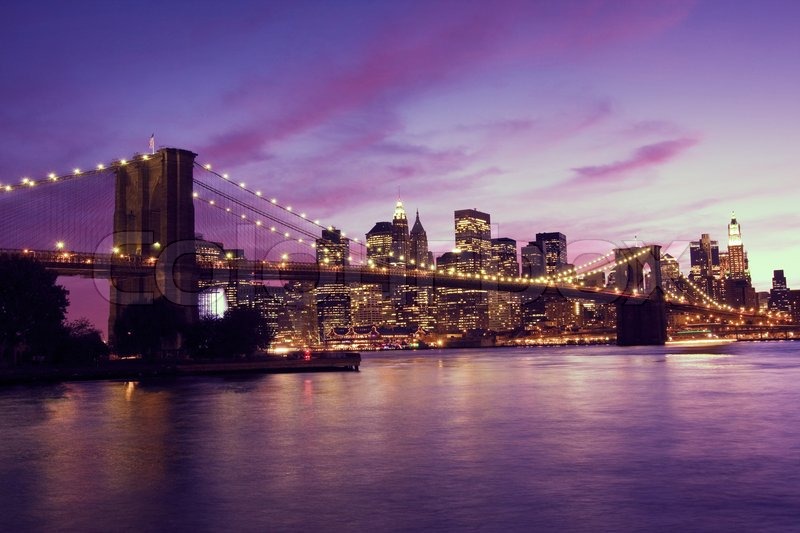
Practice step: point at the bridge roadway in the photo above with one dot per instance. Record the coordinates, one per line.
(108, 266)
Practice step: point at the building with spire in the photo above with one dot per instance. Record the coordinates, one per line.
(737, 259)
(418, 250)
(401, 240)
(738, 290)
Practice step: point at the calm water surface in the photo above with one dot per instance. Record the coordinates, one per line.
(580, 439)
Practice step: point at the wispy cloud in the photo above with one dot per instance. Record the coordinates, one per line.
(644, 157)
(429, 45)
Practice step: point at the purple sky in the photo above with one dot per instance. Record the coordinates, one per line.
(602, 120)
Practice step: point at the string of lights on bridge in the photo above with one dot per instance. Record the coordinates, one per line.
(561, 277)
(272, 201)
(566, 277)
(77, 172)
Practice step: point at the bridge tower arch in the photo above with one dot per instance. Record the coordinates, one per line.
(154, 218)
(638, 275)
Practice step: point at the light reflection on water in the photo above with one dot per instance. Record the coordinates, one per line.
(567, 438)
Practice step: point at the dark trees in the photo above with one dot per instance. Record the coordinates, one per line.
(82, 344)
(240, 332)
(140, 329)
(32, 310)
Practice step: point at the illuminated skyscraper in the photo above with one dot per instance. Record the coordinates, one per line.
(532, 261)
(400, 236)
(704, 256)
(670, 272)
(332, 248)
(474, 236)
(418, 249)
(504, 257)
(379, 243)
(553, 246)
(779, 295)
(332, 299)
(736, 256)
(461, 310)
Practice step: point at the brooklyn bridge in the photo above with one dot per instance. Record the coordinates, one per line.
(138, 222)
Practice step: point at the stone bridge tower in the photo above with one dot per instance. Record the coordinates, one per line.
(154, 218)
(638, 275)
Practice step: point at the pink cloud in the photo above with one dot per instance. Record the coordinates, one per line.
(424, 47)
(642, 158)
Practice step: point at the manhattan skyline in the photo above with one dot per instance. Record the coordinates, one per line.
(601, 121)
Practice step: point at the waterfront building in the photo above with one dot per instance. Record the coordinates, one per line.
(332, 299)
(369, 305)
(794, 305)
(461, 310)
(414, 306)
(505, 310)
(301, 310)
(533, 311)
(333, 306)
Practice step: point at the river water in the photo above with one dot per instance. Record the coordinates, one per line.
(576, 439)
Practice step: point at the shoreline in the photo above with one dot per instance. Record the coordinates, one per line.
(134, 370)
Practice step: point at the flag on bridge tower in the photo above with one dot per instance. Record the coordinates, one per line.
(153, 143)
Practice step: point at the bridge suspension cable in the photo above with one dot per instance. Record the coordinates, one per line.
(273, 202)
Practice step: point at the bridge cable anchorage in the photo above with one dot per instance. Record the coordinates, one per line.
(272, 202)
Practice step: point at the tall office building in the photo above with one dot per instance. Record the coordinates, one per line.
(705, 271)
(332, 248)
(779, 295)
(670, 272)
(332, 299)
(369, 306)
(379, 243)
(553, 246)
(736, 254)
(474, 235)
(301, 309)
(461, 310)
(504, 257)
(401, 241)
(704, 256)
(532, 261)
(418, 250)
